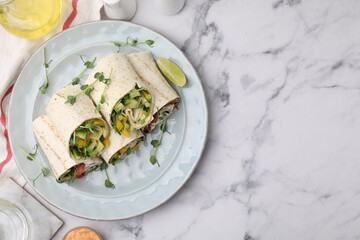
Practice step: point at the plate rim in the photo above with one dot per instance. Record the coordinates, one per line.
(201, 148)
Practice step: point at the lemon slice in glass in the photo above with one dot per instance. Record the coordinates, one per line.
(171, 71)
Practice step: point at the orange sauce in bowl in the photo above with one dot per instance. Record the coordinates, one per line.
(82, 233)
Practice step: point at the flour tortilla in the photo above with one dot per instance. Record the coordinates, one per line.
(123, 80)
(117, 142)
(145, 67)
(56, 153)
(67, 118)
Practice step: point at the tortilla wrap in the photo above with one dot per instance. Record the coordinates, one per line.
(146, 68)
(117, 142)
(123, 78)
(66, 118)
(56, 153)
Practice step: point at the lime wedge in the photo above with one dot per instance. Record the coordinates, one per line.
(171, 72)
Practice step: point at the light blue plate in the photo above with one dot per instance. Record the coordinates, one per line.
(140, 186)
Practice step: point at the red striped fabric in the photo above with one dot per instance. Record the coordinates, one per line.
(6, 135)
(9, 154)
(72, 15)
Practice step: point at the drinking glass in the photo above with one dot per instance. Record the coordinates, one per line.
(30, 18)
(13, 221)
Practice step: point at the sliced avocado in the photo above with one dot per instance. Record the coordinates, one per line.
(81, 134)
(132, 103)
(146, 95)
(118, 107)
(144, 115)
(75, 153)
(99, 147)
(91, 147)
(134, 94)
(119, 117)
(96, 134)
(105, 131)
(126, 100)
(85, 151)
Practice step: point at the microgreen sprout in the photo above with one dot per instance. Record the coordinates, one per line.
(107, 82)
(88, 126)
(45, 85)
(108, 183)
(31, 156)
(157, 142)
(88, 65)
(130, 42)
(88, 88)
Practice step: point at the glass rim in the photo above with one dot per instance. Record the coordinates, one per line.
(6, 1)
(16, 214)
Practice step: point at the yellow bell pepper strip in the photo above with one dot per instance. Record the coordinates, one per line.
(89, 139)
(132, 112)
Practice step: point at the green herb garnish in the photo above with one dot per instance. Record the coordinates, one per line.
(31, 156)
(108, 183)
(88, 65)
(45, 85)
(157, 142)
(88, 126)
(107, 82)
(88, 88)
(132, 42)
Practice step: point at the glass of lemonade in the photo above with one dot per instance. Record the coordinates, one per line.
(30, 18)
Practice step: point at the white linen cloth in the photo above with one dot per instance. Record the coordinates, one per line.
(15, 51)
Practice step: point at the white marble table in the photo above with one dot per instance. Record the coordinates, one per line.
(282, 160)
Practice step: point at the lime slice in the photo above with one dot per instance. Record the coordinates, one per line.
(172, 72)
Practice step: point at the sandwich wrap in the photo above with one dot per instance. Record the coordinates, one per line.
(127, 105)
(64, 168)
(165, 97)
(121, 146)
(81, 130)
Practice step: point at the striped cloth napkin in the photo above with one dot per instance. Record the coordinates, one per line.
(14, 52)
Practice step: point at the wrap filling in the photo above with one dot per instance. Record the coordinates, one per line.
(160, 115)
(125, 151)
(133, 111)
(79, 170)
(89, 139)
